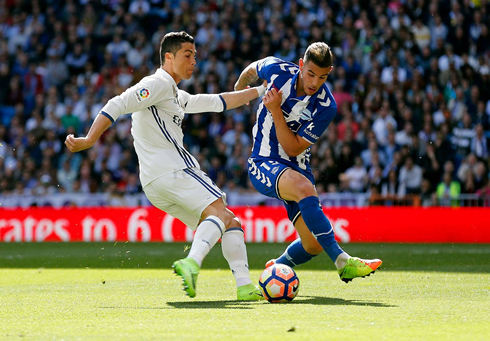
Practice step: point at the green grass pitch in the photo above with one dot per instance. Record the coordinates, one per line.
(127, 291)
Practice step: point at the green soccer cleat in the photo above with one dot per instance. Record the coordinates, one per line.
(188, 269)
(357, 267)
(248, 292)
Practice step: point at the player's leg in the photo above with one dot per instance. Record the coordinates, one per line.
(161, 193)
(302, 249)
(293, 186)
(277, 180)
(234, 250)
(208, 202)
(265, 175)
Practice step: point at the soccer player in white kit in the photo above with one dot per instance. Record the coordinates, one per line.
(171, 177)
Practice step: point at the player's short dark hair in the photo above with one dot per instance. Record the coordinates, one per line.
(320, 54)
(172, 42)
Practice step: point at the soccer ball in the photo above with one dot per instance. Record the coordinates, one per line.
(279, 283)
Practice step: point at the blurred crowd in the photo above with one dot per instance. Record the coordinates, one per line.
(411, 80)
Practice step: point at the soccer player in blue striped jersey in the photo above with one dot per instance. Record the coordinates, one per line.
(295, 111)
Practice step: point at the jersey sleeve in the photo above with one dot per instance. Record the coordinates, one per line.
(312, 130)
(267, 67)
(144, 94)
(193, 104)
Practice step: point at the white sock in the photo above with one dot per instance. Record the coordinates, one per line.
(341, 260)
(235, 252)
(208, 233)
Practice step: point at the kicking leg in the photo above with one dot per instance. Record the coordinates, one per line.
(209, 231)
(294, 186)
(301, 250)
(207, 235)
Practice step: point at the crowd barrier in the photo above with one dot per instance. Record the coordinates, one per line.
(261, 224)
(236, 198)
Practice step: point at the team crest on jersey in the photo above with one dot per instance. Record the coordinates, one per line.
(305, 114)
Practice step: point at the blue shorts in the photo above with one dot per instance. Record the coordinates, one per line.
(264, 175)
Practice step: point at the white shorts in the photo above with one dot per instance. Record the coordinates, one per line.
(184, 194)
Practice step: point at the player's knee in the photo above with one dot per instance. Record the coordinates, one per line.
(304, 189)
(230, 220)
(313, 248)
(236, 222)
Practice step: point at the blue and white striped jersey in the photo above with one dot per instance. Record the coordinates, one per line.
(307, 116)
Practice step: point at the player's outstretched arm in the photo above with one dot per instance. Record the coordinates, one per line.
(195, 104)
(238, 98)
(76, 144)
(247, 77)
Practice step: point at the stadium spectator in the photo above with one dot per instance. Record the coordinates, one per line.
(484, 193)
(384, 124)
(411, 176)
(421, 34)
(236, 135)
(405, 137)
(66, 176)
(427, 197)
(431, 165)
(355, 176)
(391, 187)
(462, 138)
(479, 144)
(368, 155)
(448, 191)
(481, 175)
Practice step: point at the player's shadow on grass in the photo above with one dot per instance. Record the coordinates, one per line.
(213, 305)
(314, 300)
(319, 300)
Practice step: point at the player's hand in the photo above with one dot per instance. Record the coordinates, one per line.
(76, 144)
(273, 100)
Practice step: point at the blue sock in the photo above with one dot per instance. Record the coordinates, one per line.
(295, 254)
(319, 226)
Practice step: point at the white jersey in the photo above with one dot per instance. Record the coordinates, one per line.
(158, 108)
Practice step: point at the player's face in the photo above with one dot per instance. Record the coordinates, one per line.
(312, 76)
(184, 61)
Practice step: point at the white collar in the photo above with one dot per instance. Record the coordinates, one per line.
(164, 74)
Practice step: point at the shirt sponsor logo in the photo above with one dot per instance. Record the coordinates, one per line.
(177, 120)
(309, 133)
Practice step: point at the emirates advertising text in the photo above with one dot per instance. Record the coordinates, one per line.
(260, 224)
